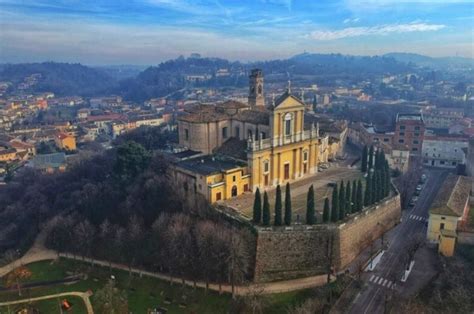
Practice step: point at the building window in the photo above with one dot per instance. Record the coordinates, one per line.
(218, 196)
(453, 163)
(385, 139)
(402, 127)
(249, 134)
(417, 134)
(233, 179)
(288, 124)
(246, 187)
(237, 132)
(401, 141)
(263, 135)
(305, 156)
(266, 166)
(186, 134)
(402, 133)
(441, 226)
(415, 142)
(287, 171)
(414, 149)
(442, 162)
(224, 132)
(417, 128)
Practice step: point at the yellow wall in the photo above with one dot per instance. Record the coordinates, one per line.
(446, 246)
(68, 143)
(8, 157)
(434, 223)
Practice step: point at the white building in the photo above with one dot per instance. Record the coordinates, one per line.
(444, 151)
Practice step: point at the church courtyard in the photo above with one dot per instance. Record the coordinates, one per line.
(299, 189)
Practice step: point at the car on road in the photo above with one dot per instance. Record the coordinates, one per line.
(423, 178)
(413, 201)
(419, 187)
(324, 166)
(332, 184)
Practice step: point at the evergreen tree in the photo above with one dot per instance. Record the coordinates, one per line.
(348, 198)
(257, 208)
(377, 161)
(342, 201)
(371, 157)
(315, 103)
(266, 210)
(387, 179)
(368, 190)
(310, 213)
(326, 210)
(278, 206)
(363, 166)
(354, 197)
(287, 205)
(382, 183)
(335, 205)
(359, 197)
(376, 186)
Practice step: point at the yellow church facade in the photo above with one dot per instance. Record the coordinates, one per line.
(241, 147)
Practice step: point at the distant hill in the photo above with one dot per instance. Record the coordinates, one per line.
(60, 78)
(435, 63)
(120, 72)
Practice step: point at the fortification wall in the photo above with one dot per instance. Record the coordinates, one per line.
(300, 251)
(359, 231)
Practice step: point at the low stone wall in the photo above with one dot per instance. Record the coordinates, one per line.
(299, 251)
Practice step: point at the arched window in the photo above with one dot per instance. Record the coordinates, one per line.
(288, 119)
(266, 166)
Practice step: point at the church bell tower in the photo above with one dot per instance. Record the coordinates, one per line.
(256, 99)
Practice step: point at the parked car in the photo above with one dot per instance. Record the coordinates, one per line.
(419, 187)
(324, 166)
(423, 178)
(332, 184)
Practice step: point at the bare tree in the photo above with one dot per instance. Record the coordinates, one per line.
(255, 299)
(84, 235)
(407, 182)
(238, 259)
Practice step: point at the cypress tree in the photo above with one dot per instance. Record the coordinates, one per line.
(310, 214)
(326, 210)
(257, 208)
(368, 190)
(287, 205)
(376, 187)
(371, 157)
(363, 165)
(277, 221)
(359, 197)
(387, 179)
(348, 198)
(266, 210)
(377, 160)
(342, 201)
(354, 197)
(335, 205)
(382, 183)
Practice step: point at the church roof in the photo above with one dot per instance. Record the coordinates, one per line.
(233, 148)
(254, 116)
(452, 197)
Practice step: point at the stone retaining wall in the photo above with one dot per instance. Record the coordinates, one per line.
(299, 251)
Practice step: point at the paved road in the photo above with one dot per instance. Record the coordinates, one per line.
(385, 279)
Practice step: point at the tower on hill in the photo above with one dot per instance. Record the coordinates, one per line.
(256, 98)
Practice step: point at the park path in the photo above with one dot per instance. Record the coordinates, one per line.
(263, 288)
(37, 252)
(83, 295)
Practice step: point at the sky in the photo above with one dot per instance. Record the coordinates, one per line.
(145, 32)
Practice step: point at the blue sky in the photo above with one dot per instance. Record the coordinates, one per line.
(150, 31)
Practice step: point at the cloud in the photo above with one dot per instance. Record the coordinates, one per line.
(374, 30)
(354, 20)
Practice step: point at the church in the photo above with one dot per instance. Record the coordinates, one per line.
(241, 147)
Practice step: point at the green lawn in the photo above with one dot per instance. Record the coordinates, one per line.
(143, 293)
